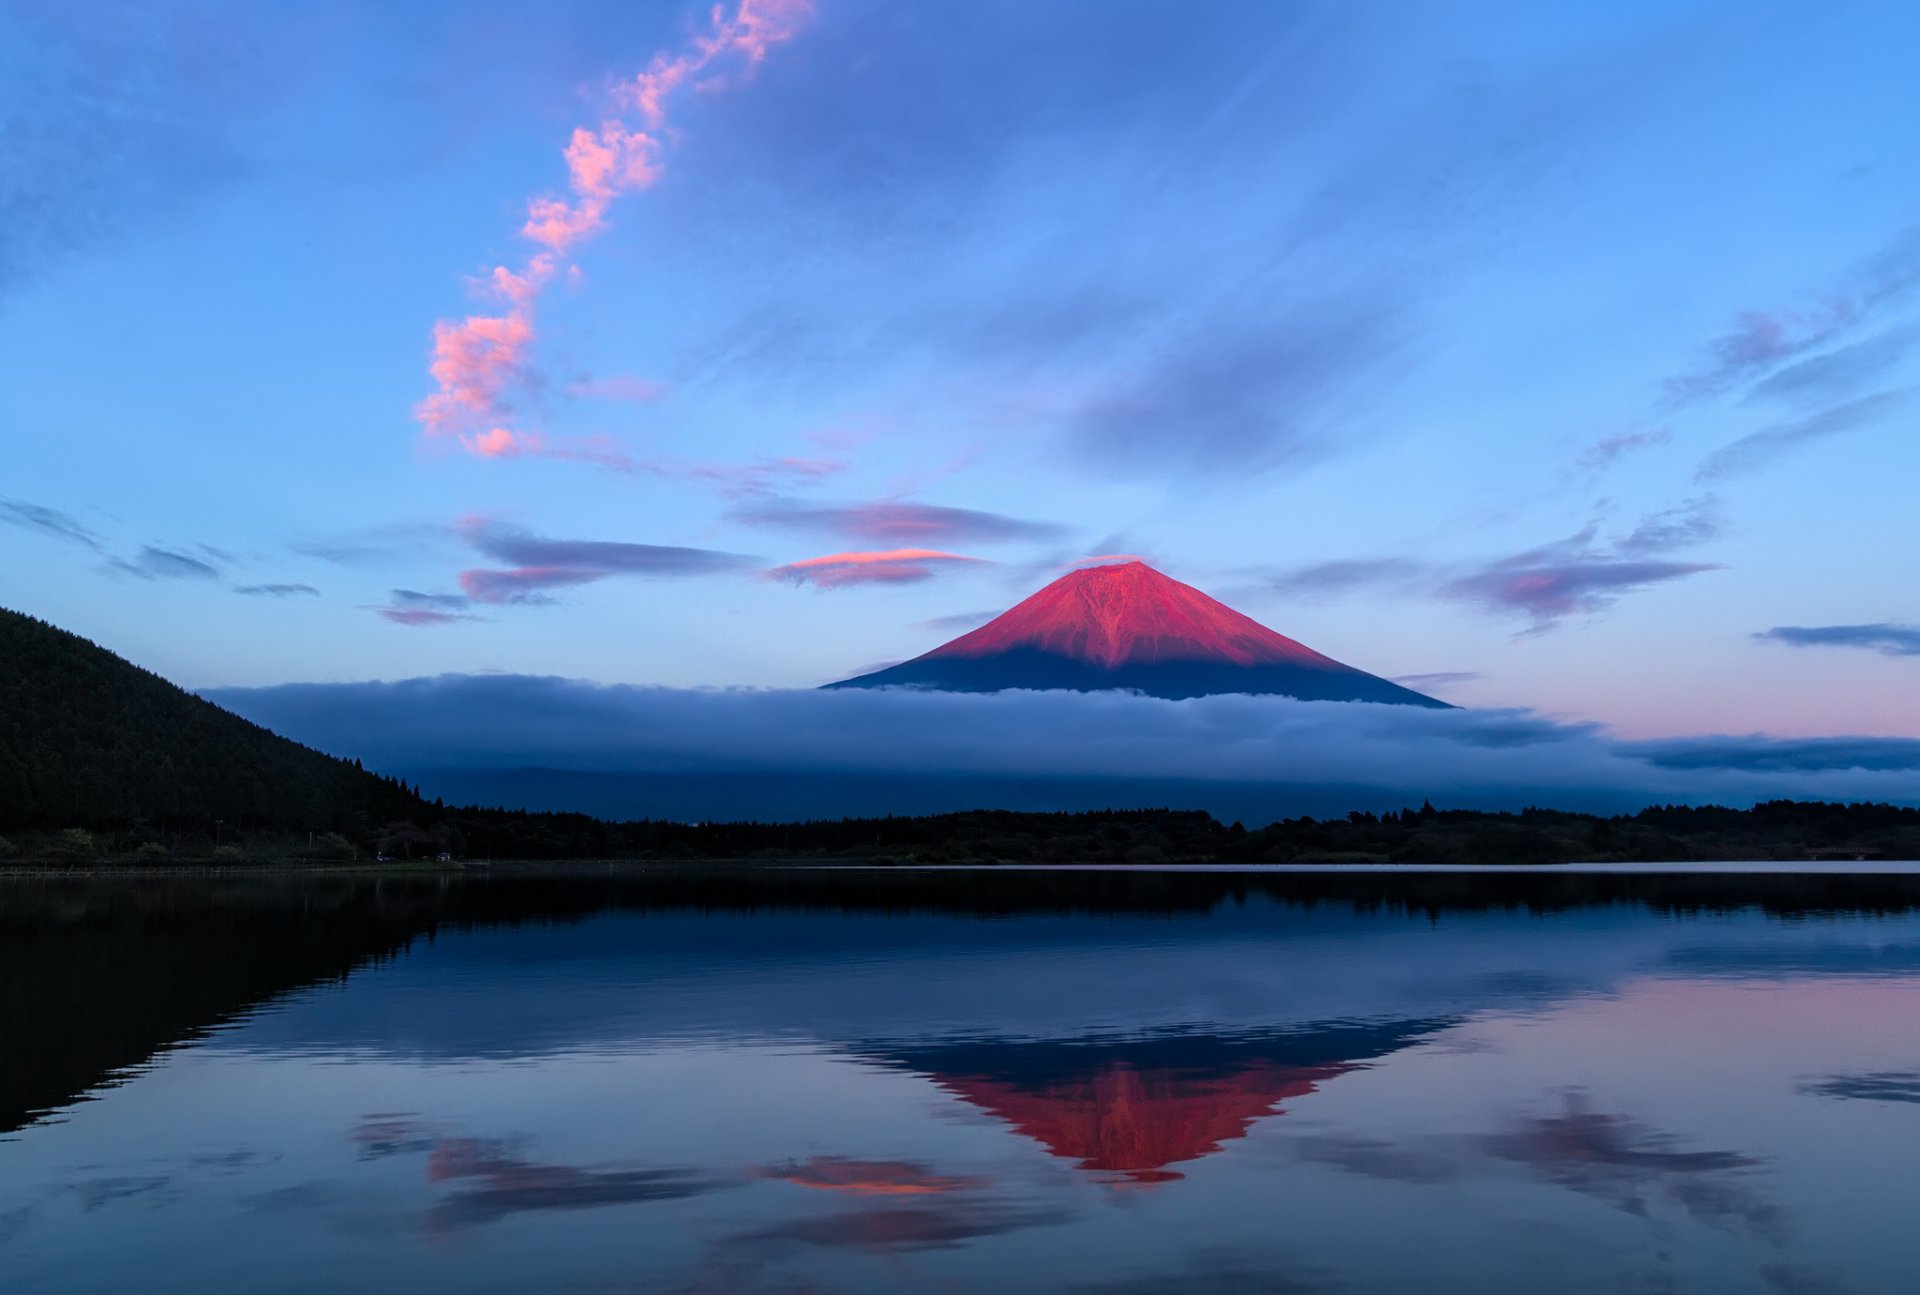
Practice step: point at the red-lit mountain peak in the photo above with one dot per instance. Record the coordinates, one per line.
(1130, 614)
(1126, 626)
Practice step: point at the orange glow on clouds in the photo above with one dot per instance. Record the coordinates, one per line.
(885, 566)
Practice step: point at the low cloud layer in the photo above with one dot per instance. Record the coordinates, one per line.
(814, 753)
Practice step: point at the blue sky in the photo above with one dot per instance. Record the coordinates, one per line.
(1557, 350)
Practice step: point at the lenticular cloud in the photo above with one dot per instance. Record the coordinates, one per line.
(555, 743)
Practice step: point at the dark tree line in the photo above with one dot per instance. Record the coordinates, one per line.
(89, 740)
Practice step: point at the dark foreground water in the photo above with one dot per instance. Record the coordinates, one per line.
(1008, 1083)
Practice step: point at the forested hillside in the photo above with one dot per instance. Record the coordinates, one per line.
(89, 740)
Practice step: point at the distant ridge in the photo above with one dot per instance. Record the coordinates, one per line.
(1127, 626)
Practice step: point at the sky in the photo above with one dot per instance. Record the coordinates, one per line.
(1553, 359)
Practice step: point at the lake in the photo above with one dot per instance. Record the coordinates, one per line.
(847, 1080)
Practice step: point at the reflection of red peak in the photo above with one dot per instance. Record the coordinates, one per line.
(1130, 614)
(1134, 1123)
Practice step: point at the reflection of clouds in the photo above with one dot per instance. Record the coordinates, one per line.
(1614, 1158)
(391, 1134)
(95, 1192)
(1625, 1162)
(925, 1226)
(1871, 1086)
(493, 1183)
(1399, 1161)
(868, 1177)
(508, 1185)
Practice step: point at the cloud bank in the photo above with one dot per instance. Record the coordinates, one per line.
(795, 754)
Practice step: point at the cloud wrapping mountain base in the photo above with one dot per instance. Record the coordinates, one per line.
(621, 751)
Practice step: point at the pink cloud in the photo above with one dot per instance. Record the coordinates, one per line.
(558, 224)
(480, 363)
(612, 161)
(475, 360)
(888, 566)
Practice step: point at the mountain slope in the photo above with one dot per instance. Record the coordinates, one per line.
(1129, 626)
(90, 740)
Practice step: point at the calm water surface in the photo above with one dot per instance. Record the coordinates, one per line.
(1091, 1084)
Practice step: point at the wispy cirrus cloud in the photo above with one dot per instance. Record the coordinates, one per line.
(888, 567)
(1756, 450)
(956, 623)
(482, 365)
(1439, 678)
(47, 521)
(1238, 395)
(764, 475)
(378, 545)
(1883, 637)
(1604, 452)
(1348, 575)
(894, 521)
(1760, 341)
(418, 610)
(636, 390)
(154, 563)
(1549, 584)
(536, 564)
(277, 591)
(1838, 373)
(1583, 575)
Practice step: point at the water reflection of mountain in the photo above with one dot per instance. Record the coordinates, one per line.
(1130, 1110)
(99, 975)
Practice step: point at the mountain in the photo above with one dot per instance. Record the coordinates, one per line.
(90, 740)
(1128, 626)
